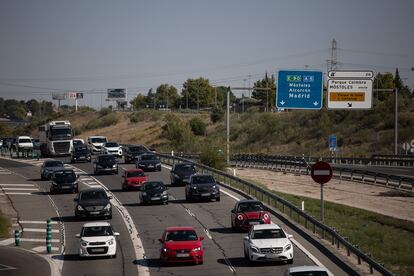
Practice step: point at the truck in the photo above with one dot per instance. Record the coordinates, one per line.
(56, 138)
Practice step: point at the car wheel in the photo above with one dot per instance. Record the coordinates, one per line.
(113, 256)
(246, 256)
(290, 261)
(218, 199)
(42, 177)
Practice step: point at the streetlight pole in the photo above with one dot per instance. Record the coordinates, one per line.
(228, 127)
(396, 121)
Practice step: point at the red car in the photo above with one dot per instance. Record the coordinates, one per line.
(134, 178)
(248, 212)
(181, 244)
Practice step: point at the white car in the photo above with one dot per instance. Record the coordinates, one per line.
(306, 271)
(268, 242)
(97, 239)
(24, 143)
(112, 148)
(95, 143)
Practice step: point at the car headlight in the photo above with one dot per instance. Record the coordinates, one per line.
(194, 187)
(144, 193)
(266, 216)
(108, 206)
(288, 247)
(240, 217)
(166, 250)
(111, 242)
(114, 166)
(158, 164)
(254, 248)
(164, 193)
(54, 183)
(196, 249)
(80, 208)
(84, 243)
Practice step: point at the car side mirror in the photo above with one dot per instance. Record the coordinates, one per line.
(233, 211)
(290, 236)
(246, 238)
(116, 234)
(160, 240)
(75, 199)
(77, 235)
(201, 238)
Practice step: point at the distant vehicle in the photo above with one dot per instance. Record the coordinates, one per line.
(48, 167)
(133, 178)
(93, 202)
(202, 186)
(105, 163)
(306, 271)
(1, 143)
(97, 239)
(80, 153)
(249, 212)
(36, 144)
(112, 148)
(268, 242)
(154, 191)
(148, 162)
(63, 181)
(131, 152)
(181, 244)
(95, 143)
(24, 143)
(56, 138)
(181, 172)
(78, 142)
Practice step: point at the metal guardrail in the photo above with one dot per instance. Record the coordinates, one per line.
(309, 222)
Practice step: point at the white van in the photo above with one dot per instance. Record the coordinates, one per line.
(24, 143)
(95, 143)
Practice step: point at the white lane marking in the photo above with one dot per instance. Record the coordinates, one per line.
(7, 241)
(5, 172)
(189, 212)
(20, 189)
(208, 233)
(4, 267)
(230, 195)
(39, 240)
(36, 222)
(17, 193)
(40, 230)
(41, 249)
(19, 185)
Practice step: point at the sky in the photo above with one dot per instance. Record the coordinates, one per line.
(89, 46)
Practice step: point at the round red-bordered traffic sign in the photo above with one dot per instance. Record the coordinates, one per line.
(321, 172)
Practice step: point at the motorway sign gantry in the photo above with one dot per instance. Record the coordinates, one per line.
(350, 90)
(299, 89)
(321, 172)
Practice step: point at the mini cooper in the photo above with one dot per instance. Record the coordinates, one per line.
(249, 212)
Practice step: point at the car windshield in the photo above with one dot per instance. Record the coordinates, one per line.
(97, 231)
(309, 273)
(181, 235)
(268, 234)
(250, 207)
(135, 174)
(98, 140)
(149, 186)
(137, 149)
(185, 168)
(81, 149)
(90, 195)
(25, 140)
(60, 175)
(77, 142)
(148, 157)
(54, 164)
(202, 179)
(106, 158)
(64, 132)
(111, 145)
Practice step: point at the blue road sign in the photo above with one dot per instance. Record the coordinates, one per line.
(332, 142)
(299, 90)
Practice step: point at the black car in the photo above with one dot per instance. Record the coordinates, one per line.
(80, 153)
(148, 162)
(93, 202)
(154, 191)
(64, 181)
(181, 172)
(49, 166)
(131, 153)
(105, 163)
(202, 186)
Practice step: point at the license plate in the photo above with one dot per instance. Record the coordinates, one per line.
(66, 187)
(206, 194)
(98, 250)
(94, 213)
(155, 198)
(253, 222)
(270, 256)
(182, 255)
(150, 166)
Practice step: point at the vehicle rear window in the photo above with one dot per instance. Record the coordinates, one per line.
(154, 186)
(268, 234)
(64, 175)
(106, 158)
(97, 231)
(185, 168)
(181, 235)
(98, 140)
(148, 157)
(24, 140)
(250, 207)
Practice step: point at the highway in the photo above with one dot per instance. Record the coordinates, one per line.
(223, 247)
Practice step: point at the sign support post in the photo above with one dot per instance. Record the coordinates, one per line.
(321, 173)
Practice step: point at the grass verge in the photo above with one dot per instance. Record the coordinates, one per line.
(4, 226)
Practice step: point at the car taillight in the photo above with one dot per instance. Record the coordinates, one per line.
(266, 216)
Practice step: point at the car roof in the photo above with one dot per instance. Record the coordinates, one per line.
(65, 170)
(265, 226)
(179, 228)
(97, 223)
(306, 268)
(184, 164)
(248, 201)
(97, 136)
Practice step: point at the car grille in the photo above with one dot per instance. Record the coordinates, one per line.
(182, 251)
(204, 190)
(97, 243)
(94, 208)
(274, 250)
(253, 221)
(61, 147)
(97, 250)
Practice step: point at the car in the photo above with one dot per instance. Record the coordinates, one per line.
(95, 143)
(148, 162)
(93, 202)
(306, 271)
(249, 212)
(48, 167)
(24, 143)
(154, 191)
(105, 163)
(181, 244)
(131, 152)
(202, 186)
(36, 143)
(97, 239)
(80, 153)
(181, 172)
(133, 178)
(64, 180)
(268, 242)
(112, 148)
(78, 142)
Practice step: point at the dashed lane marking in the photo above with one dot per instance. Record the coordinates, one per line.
(39, 240)
(20, 189)
(19, 185)
(16, 193)
(41, 249)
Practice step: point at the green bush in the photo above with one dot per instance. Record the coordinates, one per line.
(105, 111)
(198, 127)
(217, 114)
(213, 157)
(178, 133)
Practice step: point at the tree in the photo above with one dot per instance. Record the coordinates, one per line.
(267, 98)
(167, 96)
(217, 114)
(140, 101)
(33, 106)
(197, 93)
(198, 127)
(15, 110)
